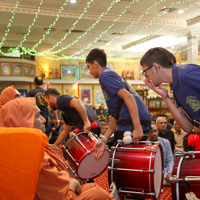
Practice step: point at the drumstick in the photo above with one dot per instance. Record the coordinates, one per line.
(94, 125)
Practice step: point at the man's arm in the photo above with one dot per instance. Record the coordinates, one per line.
(63, 135)
(133, 110)
(77, 104)
(100, 145)
(180, 118)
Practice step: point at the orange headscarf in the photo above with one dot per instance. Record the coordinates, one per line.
(19, 112)
(7, 95)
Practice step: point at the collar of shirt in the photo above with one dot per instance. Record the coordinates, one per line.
(166, 131)
(174, 76)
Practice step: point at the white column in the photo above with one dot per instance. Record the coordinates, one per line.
(192, 52)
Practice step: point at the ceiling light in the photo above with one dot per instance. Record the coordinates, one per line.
(108, 43)
(181, 12)
(72, 1)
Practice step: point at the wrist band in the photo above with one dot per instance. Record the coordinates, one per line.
(103, 141)
(104, 137)
(165, 96)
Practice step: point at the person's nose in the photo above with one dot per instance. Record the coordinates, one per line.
(43, 120)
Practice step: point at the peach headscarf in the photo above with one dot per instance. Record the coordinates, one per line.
(7, 95)
(19, 112)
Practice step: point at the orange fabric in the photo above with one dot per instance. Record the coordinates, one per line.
(102, 181)
(22, 152)
(19, 113)
(6, 95)
(53, 182)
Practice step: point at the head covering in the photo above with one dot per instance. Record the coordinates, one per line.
(19, 112)
(7, 95)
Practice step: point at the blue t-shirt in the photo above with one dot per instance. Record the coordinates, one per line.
(38, 93)
(111, 83)
(71, 114)
(186, 87)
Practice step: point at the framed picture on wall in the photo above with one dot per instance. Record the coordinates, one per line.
(110, 66)
(17, 69)
(86, 95)
(26, 70)
(23, 93)
(85, 72)
(98, 97)
(5, 69)
(68, 72)
(32, 70)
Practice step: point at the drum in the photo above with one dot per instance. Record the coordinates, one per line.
(186, 174)
(79, 151)
(137, 169)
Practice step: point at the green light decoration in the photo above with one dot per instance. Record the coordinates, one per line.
(9, 25)
(75, 41)
(142, 29)
(51, 25)
(71, 29)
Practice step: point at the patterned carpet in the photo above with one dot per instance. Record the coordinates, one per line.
(102, 181)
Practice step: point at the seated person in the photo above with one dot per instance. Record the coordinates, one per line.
(168, 156)
(54, 181)
(8, 94)
(178, 137)
(111, 140)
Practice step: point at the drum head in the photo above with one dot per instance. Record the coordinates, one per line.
(158, 172)
(89, 168)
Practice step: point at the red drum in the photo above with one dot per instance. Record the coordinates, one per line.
(186, 173)
(137, 170)
(80, 153)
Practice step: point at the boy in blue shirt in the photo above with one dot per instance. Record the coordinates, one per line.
(159, 66)
(131, 114)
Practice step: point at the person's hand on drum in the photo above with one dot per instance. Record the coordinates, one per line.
(74, 185)
(168, 177)
(87, 126)
(99, 149)
(137, 134)
(53, 147)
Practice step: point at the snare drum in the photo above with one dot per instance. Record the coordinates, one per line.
(186, 174)
(137, 169)
(79, 150)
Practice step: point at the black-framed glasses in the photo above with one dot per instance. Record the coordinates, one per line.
(144, 71)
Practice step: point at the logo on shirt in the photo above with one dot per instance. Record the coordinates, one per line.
(135, 94)
(40, 99)
(193, 102)
(105, 95)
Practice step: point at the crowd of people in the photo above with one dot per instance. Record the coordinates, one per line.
(58, 115)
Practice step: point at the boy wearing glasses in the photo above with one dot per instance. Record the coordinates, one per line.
(129, 115)
(159, 66)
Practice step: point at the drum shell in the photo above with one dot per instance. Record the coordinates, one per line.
(189, 167)
(135, 159)
(78, 148)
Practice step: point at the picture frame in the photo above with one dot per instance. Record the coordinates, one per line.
(68, 71)
(98, 97)
(26, 70)
(86, 96)
(17, 69)
(5, 69)
(32, 70)
(85, 71)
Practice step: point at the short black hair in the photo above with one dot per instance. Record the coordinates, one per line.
(97, 55)
(52, 91)
(38, 80)
(160, 56)
(105, 124)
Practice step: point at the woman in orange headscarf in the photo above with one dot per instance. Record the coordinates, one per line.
(8, 94)
(54, 181)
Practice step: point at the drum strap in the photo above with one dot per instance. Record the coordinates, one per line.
(193, 122)
(128, 122)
